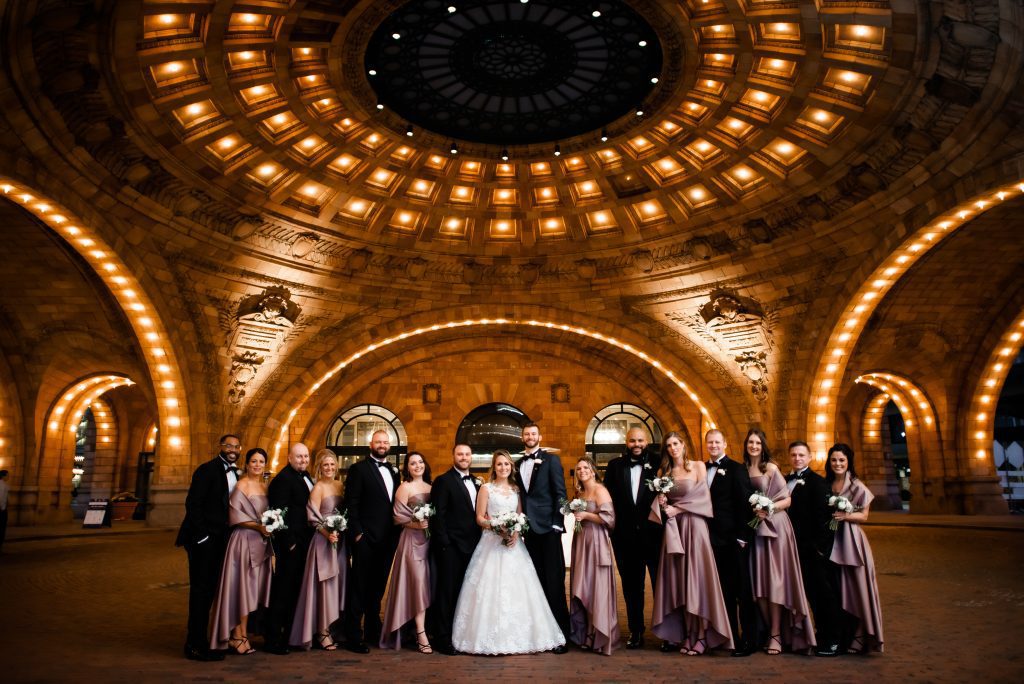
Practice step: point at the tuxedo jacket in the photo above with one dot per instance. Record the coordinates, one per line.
(454, 522)
(730, 494)
(631, 519)
(810, 514)
(547, 489)
(289, 490)
(369, 506)
(206, 505)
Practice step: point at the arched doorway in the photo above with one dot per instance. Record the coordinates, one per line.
(606, 433)
(349, 435)
(1008, 447)
(490, 427)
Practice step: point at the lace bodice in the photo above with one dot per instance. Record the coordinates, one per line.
(498, 503)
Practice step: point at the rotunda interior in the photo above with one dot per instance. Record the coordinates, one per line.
(300, 220)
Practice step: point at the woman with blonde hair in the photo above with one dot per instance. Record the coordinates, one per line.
(688, 606)
(322, 597)
(593, 611)
(502, 609)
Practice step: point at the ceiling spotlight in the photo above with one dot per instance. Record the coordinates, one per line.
(396, 35)
(408, 130)
(642, 43)
(451, 9)
(639, 111)
(524, 1)
(558, 150)
(372, 72)
(595, 13)
(454, 149)
(604, 135)
(380, 105)
(504, 154)
(654, 79)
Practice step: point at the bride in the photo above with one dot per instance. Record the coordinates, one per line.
(502, 609)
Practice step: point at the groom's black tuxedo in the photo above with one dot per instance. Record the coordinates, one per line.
(730, 493)
(635, 539)
(370, 514)
(809, 513)
(289, 489)
(454, 536)
(541, 503)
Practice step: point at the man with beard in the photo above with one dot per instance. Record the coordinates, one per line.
(204, 534)
(290, 490)
(635, 539)
(541, 489)
(454, 535)
(369, 496)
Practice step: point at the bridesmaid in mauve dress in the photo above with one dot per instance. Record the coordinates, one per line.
(322, 597)
(852, 553)
(246, 574)
(688, 604)
(775, 577)
(409, 591)
(593, 610)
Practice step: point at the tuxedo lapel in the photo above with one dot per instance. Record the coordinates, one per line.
(372, 469)
(460, 484)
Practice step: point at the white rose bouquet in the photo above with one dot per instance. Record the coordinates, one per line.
(840, 503)
(661, 485)
(336, 521)
(507, 524)
(273, 519)
(424, 512)
(574, 506)
(759, 501)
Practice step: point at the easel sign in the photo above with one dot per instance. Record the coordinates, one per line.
(97, 514)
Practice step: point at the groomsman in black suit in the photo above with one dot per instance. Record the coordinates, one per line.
(810, 514)
(542, 487)
(454, 535)
(204, 534)
(369, 495)
(635, 539)
(731, 537)
(289, 489)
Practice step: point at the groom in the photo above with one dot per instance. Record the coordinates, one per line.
(542, 486)
(455, 535)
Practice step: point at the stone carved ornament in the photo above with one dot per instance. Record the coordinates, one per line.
(262, 322)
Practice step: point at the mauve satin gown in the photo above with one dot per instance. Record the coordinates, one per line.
(593, 610)
(409, 591)
(852, 553)
(322, 597)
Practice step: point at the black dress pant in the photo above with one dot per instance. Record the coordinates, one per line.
(284, 593)
(451, 564)
(822, 594)
(733, 564)
(549, 561)
(204, 565)
(3, 527)
(371, 565)
(635, 559)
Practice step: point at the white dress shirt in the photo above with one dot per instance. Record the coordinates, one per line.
(526, 469)
(469, 485)
(636, 471)
(385, 475)
(231, 473)
(713, 470)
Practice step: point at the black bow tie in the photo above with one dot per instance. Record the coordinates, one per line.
(712, 464)
(380, 464)
(231, 469)
(791, 477)
(467, 478)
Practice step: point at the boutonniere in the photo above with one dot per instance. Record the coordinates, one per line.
(721, 471)
(799, 480)
(393, 469)
(647, 466)
(478, 482)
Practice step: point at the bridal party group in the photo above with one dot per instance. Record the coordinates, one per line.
(743, 555)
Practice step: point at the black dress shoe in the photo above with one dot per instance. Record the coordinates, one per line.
(447, 649)
(742, 652)
(636, 640)
(830, 651)
(668, 647)
(357, 647)
(202, 654)
(276, 649)
(560, 649)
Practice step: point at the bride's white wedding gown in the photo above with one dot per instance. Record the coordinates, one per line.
(502, 609)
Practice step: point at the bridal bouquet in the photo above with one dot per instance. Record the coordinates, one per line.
(424, 511)
(840, 503)
(507, 524)
(574, 506)
(336, 521)
(759, 501)
(273, 519)
(661, 485)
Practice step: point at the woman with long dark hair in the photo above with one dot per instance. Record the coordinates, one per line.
(409, 591)
(852, 553)
(688, 605)
(775, 579)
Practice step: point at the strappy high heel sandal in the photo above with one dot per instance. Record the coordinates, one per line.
(423, 648)
(700, 647)
(857, 645)
(330, 644)
(777, 638)
(241, 646)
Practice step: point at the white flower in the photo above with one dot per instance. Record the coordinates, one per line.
(800, 480)
(721, 471)
(478, 482)
(517, 528)
(753, 498)
(647, 466)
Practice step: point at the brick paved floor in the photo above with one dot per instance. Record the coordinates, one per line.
(113, 608)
